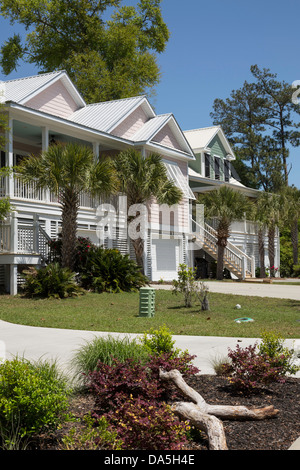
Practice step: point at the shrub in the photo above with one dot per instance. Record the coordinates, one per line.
(33, 397)
(50, 281)
(83, 247)
(167, 362)
(129, 396)
(159, 341)
(248, 369)
(188, 285)
(107, 270)
(106, 350)
(185, 284)
(93, 435)
(113, 384)
(161, 347)
(146, 425)
(279, 356)
(296, 270)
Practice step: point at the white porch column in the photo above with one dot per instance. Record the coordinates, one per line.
(13, 290)
(36, 233)
(10, 158)
(14, 232)
(96, 150)
(45, 146)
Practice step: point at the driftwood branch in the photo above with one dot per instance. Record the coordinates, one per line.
(206, 417)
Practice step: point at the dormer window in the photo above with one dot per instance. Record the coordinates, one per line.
(226, 170)
(217, 168)
(207, 165)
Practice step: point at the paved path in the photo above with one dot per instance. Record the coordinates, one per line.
(274, 290)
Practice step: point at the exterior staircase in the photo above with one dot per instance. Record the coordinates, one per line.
(238, 263)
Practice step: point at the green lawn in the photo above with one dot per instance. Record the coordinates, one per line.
(120, 313)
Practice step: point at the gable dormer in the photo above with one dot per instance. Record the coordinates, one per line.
(163, 132)
(213, 153)
(52, 93)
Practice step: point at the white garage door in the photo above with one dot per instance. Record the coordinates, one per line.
(166, 256)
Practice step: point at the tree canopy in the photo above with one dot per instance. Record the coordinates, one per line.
(108, 49)
(259, 121)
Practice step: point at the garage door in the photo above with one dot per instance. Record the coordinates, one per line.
(166, 256)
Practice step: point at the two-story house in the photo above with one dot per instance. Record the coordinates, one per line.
(211, 169)
(48, 108)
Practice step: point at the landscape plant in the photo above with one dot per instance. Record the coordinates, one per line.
(108, 270)
(280, 356)
(83, 247)
(159, 341)
(191, 288)
(143, 179)
(106, 349)
(33, 397)
(68, 170)
(257, 365)
(132, 398)
(148, 425)
(93, 435)
(51, 281)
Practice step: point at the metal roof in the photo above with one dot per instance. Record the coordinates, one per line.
(150, 128)
(105, 116)
(21, 90)
(200, 138)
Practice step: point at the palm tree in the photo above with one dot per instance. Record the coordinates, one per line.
(226, 205)
(68, 170)
(141, 179)
(271, 206)
(260, 217)
(291, 203)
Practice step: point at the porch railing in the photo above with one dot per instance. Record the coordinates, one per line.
(24, 238)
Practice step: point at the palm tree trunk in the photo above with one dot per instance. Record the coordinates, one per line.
(222, 234)
(261, 249)
(294, 240)
(220, 262)
(271, 247)
(222, 242)
(70, 204)
(138, 246)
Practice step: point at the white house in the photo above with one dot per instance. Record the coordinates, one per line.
(48, 108)
(211, 169)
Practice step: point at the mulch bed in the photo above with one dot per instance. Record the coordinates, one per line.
(271, 434)
(277, 433)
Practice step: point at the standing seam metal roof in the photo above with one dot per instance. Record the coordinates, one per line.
(19, 89)
(103, 116)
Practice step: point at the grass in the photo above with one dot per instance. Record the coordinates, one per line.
(120, 313)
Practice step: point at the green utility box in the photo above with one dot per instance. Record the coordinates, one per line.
(147, 302)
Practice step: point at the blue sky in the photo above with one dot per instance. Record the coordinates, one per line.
(212, 46)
